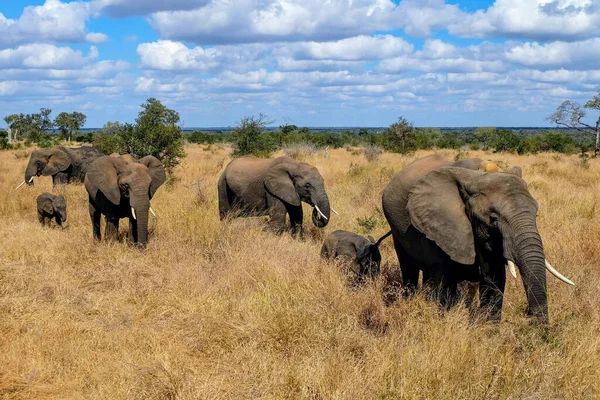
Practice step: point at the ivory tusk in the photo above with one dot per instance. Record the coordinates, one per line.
(153, 213)
(133, 213)
(557, 274)
(511, 268)
(336, 213)
(322, 215)
(30, 180)
(22, 183)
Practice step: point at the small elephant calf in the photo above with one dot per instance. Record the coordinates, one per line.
(363, 253)
(50, 206)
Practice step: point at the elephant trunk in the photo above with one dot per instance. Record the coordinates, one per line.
(141, 204)
(528, 254)
(321, 219)
(31, 171)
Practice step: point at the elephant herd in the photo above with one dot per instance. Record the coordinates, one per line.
(451, 221)
(118, 186)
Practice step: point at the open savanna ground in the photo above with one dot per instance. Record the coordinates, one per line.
(227, 310)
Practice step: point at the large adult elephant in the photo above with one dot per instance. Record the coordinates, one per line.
(460, 224)
(274, 187)
(120, 187)
(65, 165)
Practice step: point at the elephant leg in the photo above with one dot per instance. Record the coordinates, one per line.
(112, 228)
(277, 213)
(448, 292)
(224, 204)
(60, 178)
(410, 271)
(133, 233)
(491, 291)
(41, 219)
(95, 217)
(296, 217)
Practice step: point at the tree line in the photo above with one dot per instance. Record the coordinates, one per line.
(157, 131)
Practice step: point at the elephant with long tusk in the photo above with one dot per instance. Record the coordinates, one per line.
(65, 165)
(459, 223)
(122, 187)
(274, 187)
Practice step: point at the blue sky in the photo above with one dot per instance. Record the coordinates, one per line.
(311, 62)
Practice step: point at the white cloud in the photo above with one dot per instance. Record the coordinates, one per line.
(54, 21)
(127, 8)
(45, 56)
(576, 55)
(245, 21)
(532, 19)
(171, 55)
(358, 48)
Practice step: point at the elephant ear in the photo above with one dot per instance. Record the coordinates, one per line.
(57, 162)
(156, 170)
(103, 174)
(516, 170)
(279, 182)
(437, 209)
(47, 207)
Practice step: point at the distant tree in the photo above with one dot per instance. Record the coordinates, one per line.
(68, 123)
(156, 132)
(17, 125)
(401, 137)
(250, 137)
(570, 114)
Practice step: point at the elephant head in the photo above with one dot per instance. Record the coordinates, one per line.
(128, 183)
(369, 258)
(46, 162)
(484, 218)
(293, 182)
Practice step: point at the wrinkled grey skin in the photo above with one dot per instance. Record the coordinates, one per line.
(115, 185)
(276, 187)
(51, 207)
(458, 224)
(65, 165)
(362, 253)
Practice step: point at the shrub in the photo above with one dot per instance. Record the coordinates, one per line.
(372, 153)
(250, 137)
(401, 137)
(299, 151)
(4, 145)
(156, 132)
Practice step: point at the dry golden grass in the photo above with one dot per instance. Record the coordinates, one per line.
(226, 310)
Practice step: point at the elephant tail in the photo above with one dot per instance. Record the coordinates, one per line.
(224, 205)
(382, 238)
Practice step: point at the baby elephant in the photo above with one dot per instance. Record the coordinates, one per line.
(363, 253)
(50, 206)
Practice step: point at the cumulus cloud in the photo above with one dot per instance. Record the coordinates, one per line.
(45, 56)
(247, 21)
(358, 48)
(575, 55)
(127, 8)
(171, 55)
(54, 21)
(532, 19)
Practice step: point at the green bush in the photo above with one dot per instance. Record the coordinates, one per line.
(156, 132)
(401, 137)
(4, 145)
(250, 137)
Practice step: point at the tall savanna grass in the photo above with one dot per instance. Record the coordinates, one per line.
(227, 310)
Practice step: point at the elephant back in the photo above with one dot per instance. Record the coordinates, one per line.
(395, 194)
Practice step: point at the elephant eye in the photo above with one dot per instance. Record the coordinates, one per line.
(494, 219)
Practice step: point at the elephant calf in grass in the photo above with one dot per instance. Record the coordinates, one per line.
(362, 253)
(51, 207)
